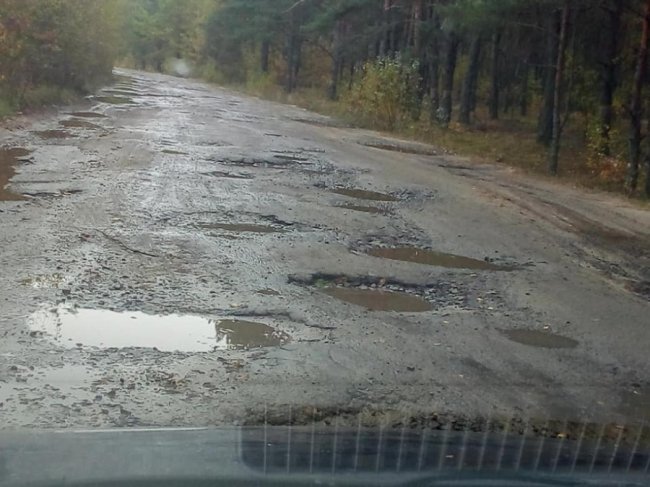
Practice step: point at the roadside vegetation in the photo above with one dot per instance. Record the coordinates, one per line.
(554, 86)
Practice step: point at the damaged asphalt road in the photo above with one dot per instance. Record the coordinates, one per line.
(175, 254)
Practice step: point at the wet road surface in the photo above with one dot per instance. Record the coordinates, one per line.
(175, 254)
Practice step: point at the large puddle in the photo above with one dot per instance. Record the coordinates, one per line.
(114, 100)
(364, 209)
(434, 258)
(540, 339)
(242, 228)
(9, 157)
(88, 115)
(53, 134)
(376, 300)
(363, 194)
(168, 333)
(244, 335)
(79, 124)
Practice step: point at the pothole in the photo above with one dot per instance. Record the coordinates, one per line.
(540, 339)
(363, 194)
(365, 209)
(379, 300)
(228, 175)
(88, 115)
(242, 227)
(174, 152)
(72, 328)
(79, 124)
(404, 149)
(268, 292)
(386, 294)
(9, 158)
(114, 100)
(244, 335)
(53, 134)
(435, 258)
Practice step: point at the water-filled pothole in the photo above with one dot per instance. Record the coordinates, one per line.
(9, 157)
(244, 335)
(174, 152)
(363, 194)
(380, 300)
(364, 209)
(540, 339)
(242, 227)
(168, 333)
(114, 100)
(88, 115)
(435, 258)
(79, 124)
(53, 134)
(228, 175)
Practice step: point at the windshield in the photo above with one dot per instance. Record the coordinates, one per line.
(411, 222)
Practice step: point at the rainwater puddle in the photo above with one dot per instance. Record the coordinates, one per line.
(114, 100)
(110, 329)
(228, 175)
(363, 194)
(174, 152)
(364, 209)
(434, 258)
(242, 228)
(375, 300)
(9, 157)
(79, 124)
(53, 134)
(88, 115)
(540, 339)
(244, 335)
(268, 292)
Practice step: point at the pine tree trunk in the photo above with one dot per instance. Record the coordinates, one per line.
(448, 70)
(554, 152)
(494, 90)
(434, 70)
(264, 56)
(337, 60)
(545, 123)
(470, 82)
(636, 107)
(608, 76)
(523, 95)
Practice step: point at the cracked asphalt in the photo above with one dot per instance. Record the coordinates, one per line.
(140, 219)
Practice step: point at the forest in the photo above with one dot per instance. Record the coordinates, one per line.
(555, 86)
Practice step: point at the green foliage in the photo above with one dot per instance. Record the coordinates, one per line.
(386, 94)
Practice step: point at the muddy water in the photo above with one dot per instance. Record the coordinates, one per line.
(375, 300)
(53, 134)
(242, 228)
(79, 124)
(114, 100)
(363, 194)
(540, 339)
(434, 258)
(88, 115)
(108, 329)
(364, 209)
(9, 157)
(243, 335)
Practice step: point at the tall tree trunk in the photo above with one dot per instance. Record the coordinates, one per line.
(434, 69)
(636, 107)
(448, 70)
(264, 56)
(608, 74)
(554, 152)
(337, 59)
(523, 95)
(470, 81)
(494, 89)
(545, 123)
